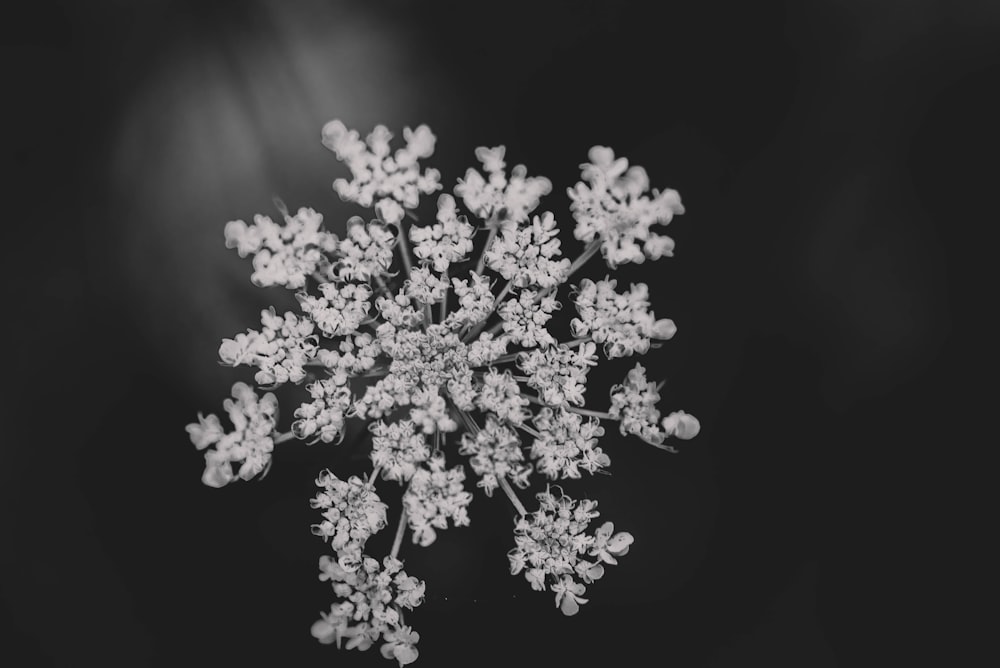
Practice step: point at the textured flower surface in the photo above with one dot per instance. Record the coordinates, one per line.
(448, 354)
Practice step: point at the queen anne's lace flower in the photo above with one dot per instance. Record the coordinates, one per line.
(633, 402)
(379, 176)
(552, 546)
(352, 512)
(622, 322)
(446, 353)
(435, 495)
(366, 251)
(567, 443)
(529, 255)
(283, 254)
(612, 206)
(448, 241)
(524, 319)
(374, 596)
(559, 373)
(280, 350)
(324, 417)
(341, 308)
(495, 454)
(397, 449)
(249, 444)
(509, 200)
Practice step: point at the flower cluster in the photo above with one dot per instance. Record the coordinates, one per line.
(250, 443)
(439, 337)
(552, 546)
(374, 596)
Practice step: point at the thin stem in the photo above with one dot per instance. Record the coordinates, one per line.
(444, 300)
(383, 288)
(587, 253)
(375, 472)
(567, 407)
(282, 438)
(492, 224)
(404, 249)
(525, 428)
(505, 486)
(400, 530)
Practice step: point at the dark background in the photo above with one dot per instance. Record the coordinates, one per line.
(834, 160)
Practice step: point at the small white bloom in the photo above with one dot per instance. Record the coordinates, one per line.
(446, 242)
(283, 254)
(397, 449)
(435, 495)
(524, 319)
(622, 322)
(250, 443)
(495, 453)
(511, 201)
(610, 204)
(529, 255)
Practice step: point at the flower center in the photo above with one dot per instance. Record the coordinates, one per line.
(429, 359)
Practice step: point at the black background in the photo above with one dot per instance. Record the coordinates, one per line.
(834, 160)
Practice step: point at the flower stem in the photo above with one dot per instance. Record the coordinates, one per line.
(400, 530)
(505, 486)
(494, 227)
(567, 407)
(281, 438)
(404, 249)
(375, 472)
(444, 300)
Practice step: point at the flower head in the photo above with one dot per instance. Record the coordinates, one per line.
(440, 336)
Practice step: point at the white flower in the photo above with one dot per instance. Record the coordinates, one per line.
(611, 204)
(609, 545)
(377, 175)
(559, 373)
(341, 308)
(567, 443)
(250, 443)
(634, 403)
(550, 546)
(529, 255)
(510, 201)
(495, 453)
(434, 496)
(365, 252)
(447, 241)
(373, 592)
(681, 425)
(283, 254)
(475, 300)
(280, 350)
(397, 449)
(401, 645)
(622, 322)
(458, 353)
(352, 513)
(524, 319)
(500, 394)
(425, 287)
(324, 418)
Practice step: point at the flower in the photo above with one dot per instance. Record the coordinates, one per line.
(445, 351)
(283, 254)
(611, 206)
(249, 444)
